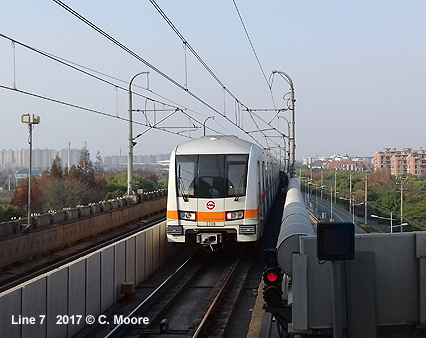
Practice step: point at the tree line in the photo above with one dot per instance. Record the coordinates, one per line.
(383, 193)
(85, 183)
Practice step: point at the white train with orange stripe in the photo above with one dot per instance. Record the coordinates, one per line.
(220, 188)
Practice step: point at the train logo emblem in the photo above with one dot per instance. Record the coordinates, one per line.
(210, 205)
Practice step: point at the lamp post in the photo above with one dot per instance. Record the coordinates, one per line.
(352, 205)
(390, 219)
(131, 143)
(30, 120)
(323, 187)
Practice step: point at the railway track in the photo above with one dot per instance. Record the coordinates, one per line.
(197, 299)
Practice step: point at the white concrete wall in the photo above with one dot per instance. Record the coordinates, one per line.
(85, 287)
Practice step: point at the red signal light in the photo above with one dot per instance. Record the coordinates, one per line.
(272, 276)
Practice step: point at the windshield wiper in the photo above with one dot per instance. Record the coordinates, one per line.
(240, 185)
(182, 187)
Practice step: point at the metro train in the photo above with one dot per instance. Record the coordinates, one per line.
(221, 188)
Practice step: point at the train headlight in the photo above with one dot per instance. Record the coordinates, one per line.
(187, 215)
(233, 215)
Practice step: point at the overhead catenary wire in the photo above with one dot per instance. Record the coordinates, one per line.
(254, 52)
(198, 57)
(157, 70)
(192, 50)
(80, 107)
(79, 68)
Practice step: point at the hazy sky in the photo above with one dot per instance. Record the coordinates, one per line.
(358, 67)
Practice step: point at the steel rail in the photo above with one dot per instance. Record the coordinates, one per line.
(216, 298)
(148, 298)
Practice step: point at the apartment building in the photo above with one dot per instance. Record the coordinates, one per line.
(347, 164)
(406, 161)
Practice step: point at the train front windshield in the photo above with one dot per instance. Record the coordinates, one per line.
(211, 176)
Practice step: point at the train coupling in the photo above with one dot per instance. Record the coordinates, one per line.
(210, 241)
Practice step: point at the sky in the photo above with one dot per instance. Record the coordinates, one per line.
(358, 69)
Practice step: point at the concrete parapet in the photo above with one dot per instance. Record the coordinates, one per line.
(7, 228)
(83, 211)
(95, 208)
(59, 217)
(106, 206)
(44, 220)
(114, 204)
(71, 214)
(45, 237)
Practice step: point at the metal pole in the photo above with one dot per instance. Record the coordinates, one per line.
(291, 134)
(130, 140)
(331, 205)
(337, 267)
(350, 189)
(401, 202)
(30, 127)
(391, 223)
(365, 201)
(335, 186)
(204, 124)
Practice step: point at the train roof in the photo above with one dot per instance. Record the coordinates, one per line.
(217, 144)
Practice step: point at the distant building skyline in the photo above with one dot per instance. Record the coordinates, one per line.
(405, 161)
(42, 159)
(339, 162)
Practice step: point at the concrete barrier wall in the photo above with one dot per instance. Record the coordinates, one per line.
(69, 214)
(46, 239)
(88, 286)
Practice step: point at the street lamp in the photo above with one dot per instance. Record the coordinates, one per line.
(30, 120)
(331, 200)
(391, 220)
(131, 143)
(352, 205)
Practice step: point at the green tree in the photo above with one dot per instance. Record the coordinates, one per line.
(56, 171)
(7, 211)
(98, 165)
(85, 169)
(59, 194)
(117, 185)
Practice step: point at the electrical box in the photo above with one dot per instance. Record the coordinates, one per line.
(335, 241)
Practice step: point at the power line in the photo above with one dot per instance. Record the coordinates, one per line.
(254, 52)
(198, 57)
(75, 66)
(87, 109)
(128, 50)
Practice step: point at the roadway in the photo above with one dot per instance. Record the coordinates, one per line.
(322, 207)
